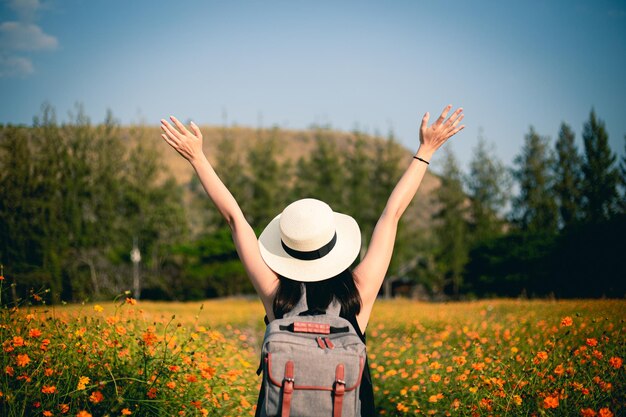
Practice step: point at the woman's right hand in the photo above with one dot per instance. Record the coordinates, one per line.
(435, 135)
(186, 143)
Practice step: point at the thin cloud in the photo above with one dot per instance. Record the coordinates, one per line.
(22, 35)
(15, 66)
(18, 36)
(26, 9)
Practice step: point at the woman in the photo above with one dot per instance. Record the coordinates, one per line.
(277, 266)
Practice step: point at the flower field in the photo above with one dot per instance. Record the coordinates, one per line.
(497, 357)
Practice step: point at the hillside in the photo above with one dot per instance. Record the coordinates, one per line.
(294, 144)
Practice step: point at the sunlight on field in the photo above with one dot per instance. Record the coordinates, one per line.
(494, 357)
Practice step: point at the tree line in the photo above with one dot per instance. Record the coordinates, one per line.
(74, 196)
(560, 234)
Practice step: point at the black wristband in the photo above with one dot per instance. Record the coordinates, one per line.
(420, 159)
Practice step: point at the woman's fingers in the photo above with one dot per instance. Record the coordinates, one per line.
(457, 130)
(168, 140)
(444, 113)
(196, 130)
(425, 120)
(171, 131)
(457, 121)
(180, 126)
(455, 116)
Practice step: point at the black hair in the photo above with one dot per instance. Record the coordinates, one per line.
(319, 295)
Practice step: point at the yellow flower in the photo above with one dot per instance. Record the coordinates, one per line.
(98, 308)
(517, 400)
(82, 382)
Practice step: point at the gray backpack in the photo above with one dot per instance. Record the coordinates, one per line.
(312, 364)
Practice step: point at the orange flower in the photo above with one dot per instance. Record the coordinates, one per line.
(22, 359)
(517, 400)
(64, 408)
(44, 344)
(592, 342)
(9, 370)
(83, 413)
(96, 397)
(152, 393)
(559, 370)
(435, 378)
(47, 413)
(35, 333)
(48, 372)
(435, 398)
(459, 360)
(1, 277)
(126, 412)
(18, 341)
(566, 321)
(149, 338)
(49, 389)
(587, 412)
(478, 366)
(615, 362)
(131, 301)
(605, 412)
(550, 402)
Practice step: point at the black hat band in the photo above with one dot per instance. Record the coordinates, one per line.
(311, 255)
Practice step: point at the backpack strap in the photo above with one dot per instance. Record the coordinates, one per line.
(302, 308)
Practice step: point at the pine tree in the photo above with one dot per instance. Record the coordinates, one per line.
(568, 177)
(321, 176)
(267, 180)
(600, 196)
(622, 168)
(451, 227)
(358, 199)
(386, 171)
(487, 183)
(534, 209)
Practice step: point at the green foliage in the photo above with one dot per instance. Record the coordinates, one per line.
(82, 197)
(267, 180)
(451, 228)
(321, 176)
(601, 178)
(534, 209)
(487, 185)
(568, 177)
(210, 267)
(622, 170)
(584, 260)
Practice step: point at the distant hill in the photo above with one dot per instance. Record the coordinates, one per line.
(293, 144)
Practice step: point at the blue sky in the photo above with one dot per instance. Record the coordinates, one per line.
(378, 65)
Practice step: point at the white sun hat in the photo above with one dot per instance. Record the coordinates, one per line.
(309, 242)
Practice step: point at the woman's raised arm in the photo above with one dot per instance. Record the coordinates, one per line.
(370, 273)
(189, 145)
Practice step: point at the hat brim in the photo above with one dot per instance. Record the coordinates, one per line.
(336, 261)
